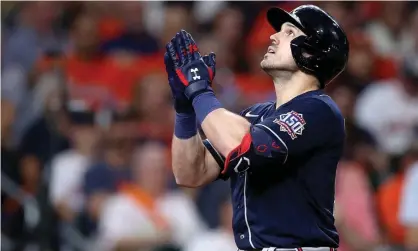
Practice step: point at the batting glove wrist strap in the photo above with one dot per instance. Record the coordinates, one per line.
(197, 88)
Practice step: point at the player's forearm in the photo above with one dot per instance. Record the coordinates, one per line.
(188, 160)
(225, 129)
(191, 167)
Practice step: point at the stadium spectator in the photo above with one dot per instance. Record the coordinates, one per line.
(103, 178)
(156, 217)
(176, 16)
(48, 135)
(388, 30)
(134, 38)
(361, 65)
(9, 158)
(395, 213)
(69, 167)
(355, 214)
(86, 67)
(395, 128)
(408, 213)
(11, 211)
(32, 36)
(220, 238)
(151, 107)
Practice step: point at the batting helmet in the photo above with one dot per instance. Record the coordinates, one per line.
(323, 52)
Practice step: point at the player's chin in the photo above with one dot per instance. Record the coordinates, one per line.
(267, 65)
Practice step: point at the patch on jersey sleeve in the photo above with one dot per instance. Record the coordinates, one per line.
(292, 123)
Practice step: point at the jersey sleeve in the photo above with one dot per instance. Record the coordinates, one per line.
(243, 112)
(255, 109)
(296, 131)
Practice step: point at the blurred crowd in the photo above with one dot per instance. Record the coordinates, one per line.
(87, 120)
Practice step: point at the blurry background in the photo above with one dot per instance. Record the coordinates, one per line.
(86, 123)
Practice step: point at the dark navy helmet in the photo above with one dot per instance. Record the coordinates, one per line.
(323, 52)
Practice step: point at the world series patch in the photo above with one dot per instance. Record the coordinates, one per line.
(292, 123)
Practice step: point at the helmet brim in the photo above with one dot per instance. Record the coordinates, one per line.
(277, 17)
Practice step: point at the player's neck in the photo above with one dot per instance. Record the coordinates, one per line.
(288, 89)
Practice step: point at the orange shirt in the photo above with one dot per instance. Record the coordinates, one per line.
(88, 79)
(146, 201)
(104, 77)
(388, 202)
(110, 28)
(124, 73)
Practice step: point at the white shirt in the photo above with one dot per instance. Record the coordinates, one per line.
(213, 240)
(389, 114)
(122, 217)
(386, 44)
(182, 215)
(408, 213)
(67, 176)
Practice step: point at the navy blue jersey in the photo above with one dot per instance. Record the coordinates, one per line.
(283, 174)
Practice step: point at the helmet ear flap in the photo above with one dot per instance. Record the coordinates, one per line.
(306, 56)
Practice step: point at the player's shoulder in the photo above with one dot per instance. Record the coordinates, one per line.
(328, 105)
(319, 104)
(257, 109)
(314, 109)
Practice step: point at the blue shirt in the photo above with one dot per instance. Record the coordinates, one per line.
(283, 174)
(103, 178)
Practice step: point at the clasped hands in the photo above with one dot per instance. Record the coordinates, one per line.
(189, 73)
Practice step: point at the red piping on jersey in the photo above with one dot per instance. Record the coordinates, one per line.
(242, 148)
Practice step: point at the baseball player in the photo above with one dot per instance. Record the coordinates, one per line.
(280, 156)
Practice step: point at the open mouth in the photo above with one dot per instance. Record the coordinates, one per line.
(270, 50)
